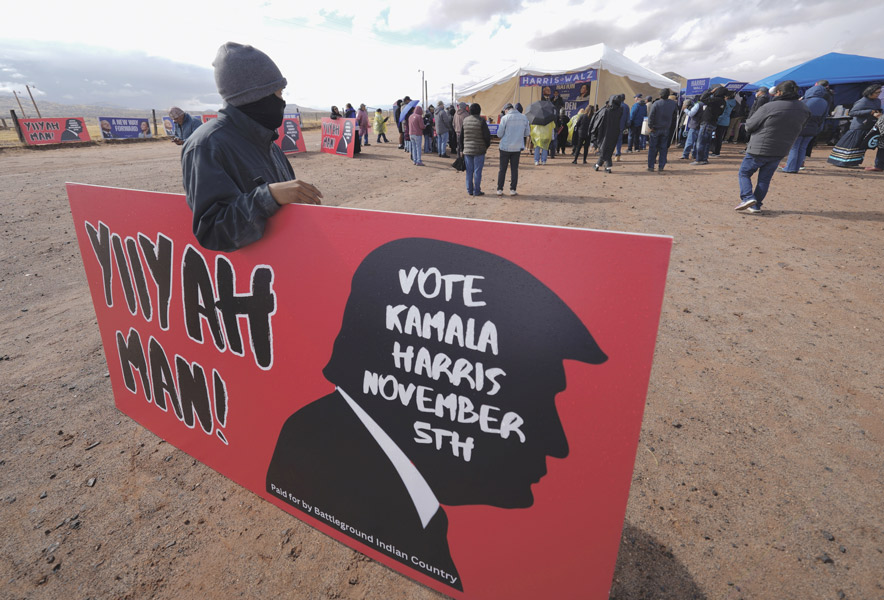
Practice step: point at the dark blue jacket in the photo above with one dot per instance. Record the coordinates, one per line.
(662, 115)
(637, 114)
(817, 100)
(227, 165)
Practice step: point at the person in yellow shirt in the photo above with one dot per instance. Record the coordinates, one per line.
(380, 125)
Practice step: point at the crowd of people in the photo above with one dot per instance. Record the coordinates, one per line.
(698, 125)
(231, 207)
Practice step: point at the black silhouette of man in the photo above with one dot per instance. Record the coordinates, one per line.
(290, 139)
(73, 127)
(344, 142)
(446, 368)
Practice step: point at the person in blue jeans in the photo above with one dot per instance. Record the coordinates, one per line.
(704, 140)
(774, 128)
(661, 121)
(473, 141)
(817, 100)
(415, 132)
(637, 115)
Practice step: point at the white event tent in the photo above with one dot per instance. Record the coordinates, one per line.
(616, 75)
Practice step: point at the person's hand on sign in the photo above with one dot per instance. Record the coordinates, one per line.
(178, 141)
(295, 192)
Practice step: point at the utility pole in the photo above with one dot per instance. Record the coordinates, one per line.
(39, 116)
(423, 103)
(24, 114)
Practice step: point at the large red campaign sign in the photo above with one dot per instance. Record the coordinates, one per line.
(338, 136)
(54, 131)
(460, 400)
(290, 139)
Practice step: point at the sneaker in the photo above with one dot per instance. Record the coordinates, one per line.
(536, 162)
(500, 192)
(700, 162)
(651, 169)
(682, 157)
(801, 168)
(513, 193)
(783, 170)
(745, 204)
(754, 210)
(478, 193)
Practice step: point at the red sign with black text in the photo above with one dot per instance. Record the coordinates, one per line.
(54, 131)
(338, 136)
(290, 139)
(460, 400)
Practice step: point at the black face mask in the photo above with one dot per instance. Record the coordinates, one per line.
(268, 111)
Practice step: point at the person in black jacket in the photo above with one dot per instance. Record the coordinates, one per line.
(235, 177)
(605, 129)
(714, 102)
(581, 136)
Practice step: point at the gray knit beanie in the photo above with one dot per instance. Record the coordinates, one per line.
(244, 74)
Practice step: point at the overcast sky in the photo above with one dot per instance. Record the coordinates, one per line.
(372, 51)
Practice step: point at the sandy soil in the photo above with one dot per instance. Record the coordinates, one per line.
(759, 471)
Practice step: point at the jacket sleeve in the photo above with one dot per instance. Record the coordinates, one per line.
(501, 127)
(224, 218)
(754, 122)
(862, 111)
(652, 114)
(486, 133)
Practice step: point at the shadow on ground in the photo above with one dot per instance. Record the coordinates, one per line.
(647, 570)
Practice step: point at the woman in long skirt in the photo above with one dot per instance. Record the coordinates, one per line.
(850, 149)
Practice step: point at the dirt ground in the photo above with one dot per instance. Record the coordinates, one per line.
(760, 471)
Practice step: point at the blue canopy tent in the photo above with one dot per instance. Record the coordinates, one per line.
(848, 74)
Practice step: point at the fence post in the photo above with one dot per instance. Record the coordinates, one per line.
(156, 131)
(21, 136)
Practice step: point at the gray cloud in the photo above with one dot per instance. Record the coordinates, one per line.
(95, 76)
(718, 27)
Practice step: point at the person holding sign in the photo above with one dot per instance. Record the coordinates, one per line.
(235, 177)
(446, 370)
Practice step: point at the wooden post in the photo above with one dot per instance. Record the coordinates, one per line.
(21, 136)
(39, 116)
(24, 114)
(155, 130)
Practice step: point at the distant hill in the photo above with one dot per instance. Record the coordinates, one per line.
(55, 109)
(682, 81)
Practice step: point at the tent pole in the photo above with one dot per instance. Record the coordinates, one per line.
(598, 82)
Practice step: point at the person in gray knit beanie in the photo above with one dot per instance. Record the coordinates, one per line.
(244, 74)
(235, 176)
